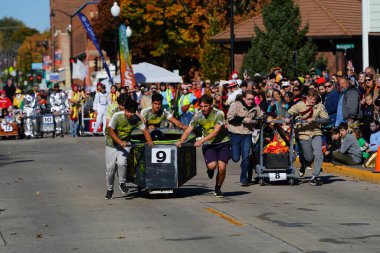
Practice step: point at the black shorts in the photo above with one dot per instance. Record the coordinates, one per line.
(216, 152)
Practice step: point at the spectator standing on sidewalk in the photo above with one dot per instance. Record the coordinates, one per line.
(349, 110)
(215, 140)
(116, 152)
(186, 105)
(331, 102)
(241, 119)
(10, 89)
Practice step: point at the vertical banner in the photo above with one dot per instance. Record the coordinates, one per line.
(91, 34)
(126, 72)
(58, 58)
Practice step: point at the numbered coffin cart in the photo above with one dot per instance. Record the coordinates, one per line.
(52, 124)
(276, 167)
(9, 129)
(163, 167)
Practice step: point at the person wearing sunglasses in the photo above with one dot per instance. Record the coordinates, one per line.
(331, 102)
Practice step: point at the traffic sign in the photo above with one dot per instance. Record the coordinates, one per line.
(345, 46)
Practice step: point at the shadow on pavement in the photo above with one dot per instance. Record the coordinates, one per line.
(178, 193)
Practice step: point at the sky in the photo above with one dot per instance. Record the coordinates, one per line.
(34, 13)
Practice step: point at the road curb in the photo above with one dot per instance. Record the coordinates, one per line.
(355, 173)
(360, 174)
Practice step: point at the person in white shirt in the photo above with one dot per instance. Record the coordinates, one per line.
(101, 102)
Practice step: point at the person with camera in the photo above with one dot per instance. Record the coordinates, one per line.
(117, 149)
(241, 118)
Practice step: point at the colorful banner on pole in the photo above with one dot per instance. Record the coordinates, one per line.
(91, 34)
(126, 71)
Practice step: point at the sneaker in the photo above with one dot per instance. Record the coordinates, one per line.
(109, 194)
(314, 181)
(301, 172)
(124, 188)
(218, 193)
(244, 184)
(210, 173)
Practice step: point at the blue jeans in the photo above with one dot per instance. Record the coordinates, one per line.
(240, 146)
(74, 127)
(186, 118)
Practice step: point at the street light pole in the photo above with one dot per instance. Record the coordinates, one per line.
(115, 11)
(232, 35)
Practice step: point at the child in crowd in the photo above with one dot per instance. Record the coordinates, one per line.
(368, 111)
(349, 151)
(362, 143)
(375, 136)
(334, 145)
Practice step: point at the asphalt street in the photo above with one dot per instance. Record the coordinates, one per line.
(52, 200)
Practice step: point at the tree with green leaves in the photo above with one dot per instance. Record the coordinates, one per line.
(280, 40)
(215, 60)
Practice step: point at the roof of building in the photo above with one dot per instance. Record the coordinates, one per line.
(326, 18)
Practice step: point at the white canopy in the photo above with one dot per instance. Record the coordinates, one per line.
(149, 73)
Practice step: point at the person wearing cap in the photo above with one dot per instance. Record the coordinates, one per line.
(186, 105)
(146, 99)
(156, 115)
(207, 88)
(234, 91)
(101, 101)
(5, 102)
(17, 100)
(167, 96)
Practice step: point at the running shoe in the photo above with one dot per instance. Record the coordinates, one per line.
(218, 193)
(301, 172)
(124, 188)
(109, 194)
(210, 173)
(314, 181)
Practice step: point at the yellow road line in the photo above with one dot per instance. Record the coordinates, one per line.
(224, 216)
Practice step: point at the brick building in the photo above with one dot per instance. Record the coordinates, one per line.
(330, 23)
(63, 24)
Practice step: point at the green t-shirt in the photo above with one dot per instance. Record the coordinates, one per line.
(123, 127)
(155, 119)
(216, 117)
(361, 143)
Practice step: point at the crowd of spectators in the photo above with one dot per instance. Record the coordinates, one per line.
(351, 99)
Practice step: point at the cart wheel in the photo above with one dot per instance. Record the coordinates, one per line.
(139, 190)
(261, 182)
(61, 133)
(292, 181)
(53, 134)
(42, 135)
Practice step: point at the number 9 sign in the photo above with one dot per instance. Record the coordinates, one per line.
(161, 155)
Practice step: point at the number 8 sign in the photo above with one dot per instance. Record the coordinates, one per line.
(161, 155)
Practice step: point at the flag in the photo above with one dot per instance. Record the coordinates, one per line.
(90, 31)
(79, 70)
(126, 72)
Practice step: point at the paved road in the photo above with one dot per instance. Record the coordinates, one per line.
(52, 200)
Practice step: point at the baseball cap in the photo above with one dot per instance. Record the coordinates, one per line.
(3, 92)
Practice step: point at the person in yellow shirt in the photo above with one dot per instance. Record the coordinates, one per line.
(18, 99)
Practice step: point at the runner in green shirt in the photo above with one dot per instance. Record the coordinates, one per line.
(215, 140)
(155, 115)
(117, 141)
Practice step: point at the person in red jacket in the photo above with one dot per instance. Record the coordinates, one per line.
(5, 102)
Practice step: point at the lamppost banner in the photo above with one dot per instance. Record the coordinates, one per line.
(126, 71)
(91, 34)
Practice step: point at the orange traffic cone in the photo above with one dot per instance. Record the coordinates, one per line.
(377, 166)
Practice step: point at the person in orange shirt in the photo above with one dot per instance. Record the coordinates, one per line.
(5, 102)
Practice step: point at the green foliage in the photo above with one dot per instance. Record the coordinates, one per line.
(14, 33)
(215, 60)
(281, 38)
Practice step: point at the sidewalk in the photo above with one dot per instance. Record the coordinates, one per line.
(354, 171)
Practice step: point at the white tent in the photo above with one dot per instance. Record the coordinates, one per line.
(149, 73)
